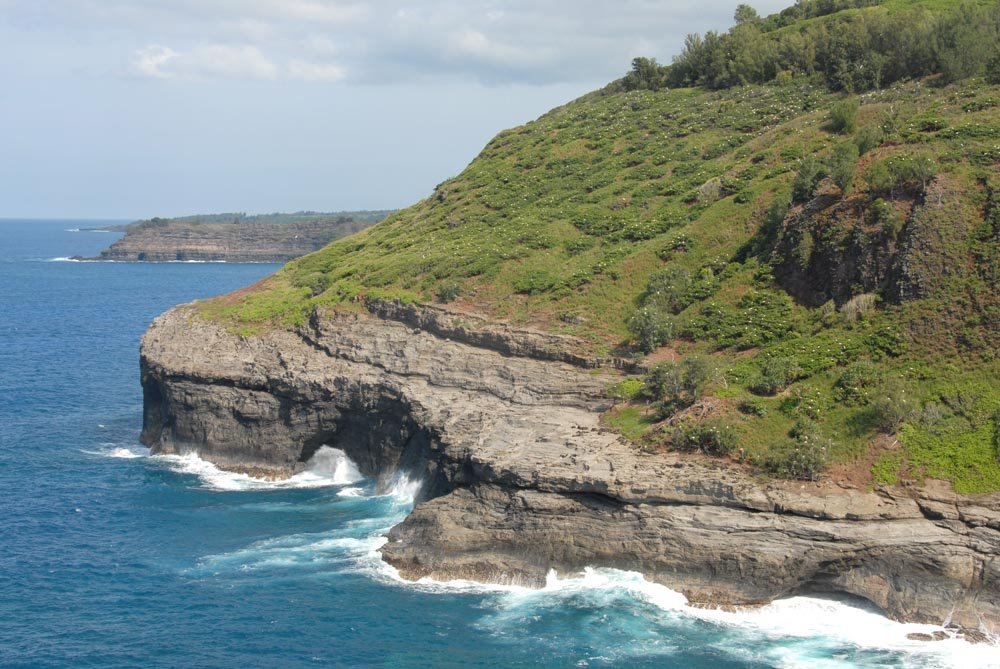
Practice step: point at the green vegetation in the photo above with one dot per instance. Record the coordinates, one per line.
(845, 45)
(709, 437)
(631, 421)
(679, 385)
(626, 389)
(844, 116)
(820, 279)
(362, 219)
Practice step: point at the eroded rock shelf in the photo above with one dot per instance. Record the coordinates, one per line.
(520, 477)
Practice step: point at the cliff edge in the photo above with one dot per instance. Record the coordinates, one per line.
(800, 249)
(519, 477)
(234, 237)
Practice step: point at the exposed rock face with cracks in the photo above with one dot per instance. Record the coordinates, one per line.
(171, 241)
(520, 478)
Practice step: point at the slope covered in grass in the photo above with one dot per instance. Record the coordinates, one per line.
(819, 270)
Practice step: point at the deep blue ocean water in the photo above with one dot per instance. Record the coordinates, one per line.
(111, 558)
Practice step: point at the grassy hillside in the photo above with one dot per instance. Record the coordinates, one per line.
(811, 276)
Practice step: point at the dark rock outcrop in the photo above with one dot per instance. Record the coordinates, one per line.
(833, 248)
(520, 478)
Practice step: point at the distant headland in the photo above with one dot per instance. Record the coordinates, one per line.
(233, 237)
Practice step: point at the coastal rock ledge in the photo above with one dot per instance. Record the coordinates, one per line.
(520, 478)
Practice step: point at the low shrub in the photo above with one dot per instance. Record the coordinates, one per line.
(753, 408)
(807, 177)
(868, 138)
(679, 383)
(447, 293)
(884, 215)
(996, 434)
(535, 283)
(858, 306)
(843, 164)
(844, 116)
(857, 382)
(626, 389)
(887, 178)
(679, 244)
(650, 328)
(710, 437)
(804, 457)
(889, 409)
(774, 375)
(667, 289)
(805, 401)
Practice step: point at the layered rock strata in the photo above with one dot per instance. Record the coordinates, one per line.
(229, 242)
(519, 477)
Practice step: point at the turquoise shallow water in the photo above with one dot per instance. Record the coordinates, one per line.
(111, 558)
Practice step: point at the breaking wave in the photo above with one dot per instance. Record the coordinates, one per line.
(627, 616)
(792, 632)
(126, 452)
(328, 467)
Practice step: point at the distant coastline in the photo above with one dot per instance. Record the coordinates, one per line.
(230, 237)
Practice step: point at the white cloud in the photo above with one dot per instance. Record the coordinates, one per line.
(151, 60)
(309, 10)
(320, 44)
(476, 45)
(320, 72)
(204, 62)
(252, 30)
(382, 41)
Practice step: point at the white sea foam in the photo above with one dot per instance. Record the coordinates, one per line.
(336, 548)
(126, 452)
(383, 571)
(404, 489)
(328, 467)
(334, 465)
(793, 632)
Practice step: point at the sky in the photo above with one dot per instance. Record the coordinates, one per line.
(140, 108)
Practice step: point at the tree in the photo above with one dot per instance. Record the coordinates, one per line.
(746, 14)
(900, 172)
(966, 40)
(751, 56)
(680, 384)
(667, 289)
(774, 375)
(843, 164)
(651, 327)
(844, 116)
(993, 70)
(808, 176)
(646, 74)
(868, 138)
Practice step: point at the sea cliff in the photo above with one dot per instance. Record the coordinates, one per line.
(786, 276)
(519, 476)
(233, 237)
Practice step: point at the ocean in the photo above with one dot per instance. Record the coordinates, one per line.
(112, 558)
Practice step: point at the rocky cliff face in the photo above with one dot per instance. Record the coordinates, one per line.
(232, 242)
(520, 478)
